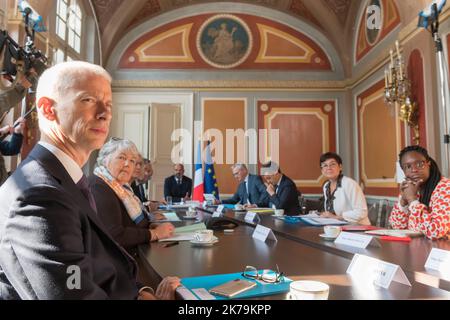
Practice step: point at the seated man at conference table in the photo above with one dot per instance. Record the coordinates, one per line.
(251, 192)
(283, 193)
(178, 186)
(136, 182)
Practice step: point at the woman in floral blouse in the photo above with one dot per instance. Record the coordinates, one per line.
(424, 201)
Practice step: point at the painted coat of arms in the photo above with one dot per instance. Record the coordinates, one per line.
(224, 41)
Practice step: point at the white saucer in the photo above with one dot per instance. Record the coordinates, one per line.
(205, 244)
(325, 237)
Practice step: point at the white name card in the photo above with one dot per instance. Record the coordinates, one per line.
(217, 214)
(220, 208)
(251, 216)
(356, 240)
(439, 260)
(369, 270)
(262, 233)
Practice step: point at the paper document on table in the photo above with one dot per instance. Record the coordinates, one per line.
(179, 206)
(322, 221)
(261, 210)
(187, 236)
(185, 233)
(190, 228)
(170, 217)
(310, 215)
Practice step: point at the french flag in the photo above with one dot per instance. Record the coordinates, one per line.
(198, 177)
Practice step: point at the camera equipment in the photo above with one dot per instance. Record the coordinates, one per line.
(20, 66)
(430, 18)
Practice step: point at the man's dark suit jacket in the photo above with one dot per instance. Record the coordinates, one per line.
(115, 218)
(48, 230)
(175, 190)
(139, 191)
(257, 193)
(286, 197)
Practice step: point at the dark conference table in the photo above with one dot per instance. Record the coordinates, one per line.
(411, 257)
(297, 260)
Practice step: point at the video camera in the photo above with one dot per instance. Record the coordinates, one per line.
(429, 15)
(20, 62)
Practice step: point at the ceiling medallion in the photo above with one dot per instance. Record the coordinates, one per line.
(224, 41)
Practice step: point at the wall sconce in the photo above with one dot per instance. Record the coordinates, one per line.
(398, 91)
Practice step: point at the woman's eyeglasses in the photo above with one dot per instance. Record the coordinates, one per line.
(330, 165)
(416, 164)
(268, 276)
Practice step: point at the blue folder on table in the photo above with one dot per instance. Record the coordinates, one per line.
(312, 221)
(261, 289)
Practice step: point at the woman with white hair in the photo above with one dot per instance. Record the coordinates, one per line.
(123, 214)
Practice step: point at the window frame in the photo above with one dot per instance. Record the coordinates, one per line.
(63, 44)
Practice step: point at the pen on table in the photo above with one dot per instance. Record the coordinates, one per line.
(171, 244)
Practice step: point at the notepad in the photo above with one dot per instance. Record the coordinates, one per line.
(170, 217)
(185, 233)
(322, 221)
(190, 228)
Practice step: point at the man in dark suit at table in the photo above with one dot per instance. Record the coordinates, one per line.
(178, 186)
(143, 171)
(251, 191)
(283, 193)
(52, 245)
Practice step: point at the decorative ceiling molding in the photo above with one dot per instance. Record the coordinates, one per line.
(104, 10)
(340, 8)
(150, 8)
(298, 8)
(231, 84)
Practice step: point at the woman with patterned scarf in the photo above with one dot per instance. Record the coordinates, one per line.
(122, 213)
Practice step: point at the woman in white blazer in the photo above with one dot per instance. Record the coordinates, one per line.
(343, 197)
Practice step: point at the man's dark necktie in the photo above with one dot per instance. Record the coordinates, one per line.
(244, 200)
(83, 185)
(142, 192)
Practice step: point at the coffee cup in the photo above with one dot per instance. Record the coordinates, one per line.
(332, 231)
(203, 236)
(279, 212)
(308, 290)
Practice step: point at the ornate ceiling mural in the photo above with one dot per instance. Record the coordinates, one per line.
(368, 38)
(225, 41)
(150, 8)
(104, 10)
(298, 8)
(340, 8)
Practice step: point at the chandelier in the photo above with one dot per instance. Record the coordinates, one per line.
(397, 92)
